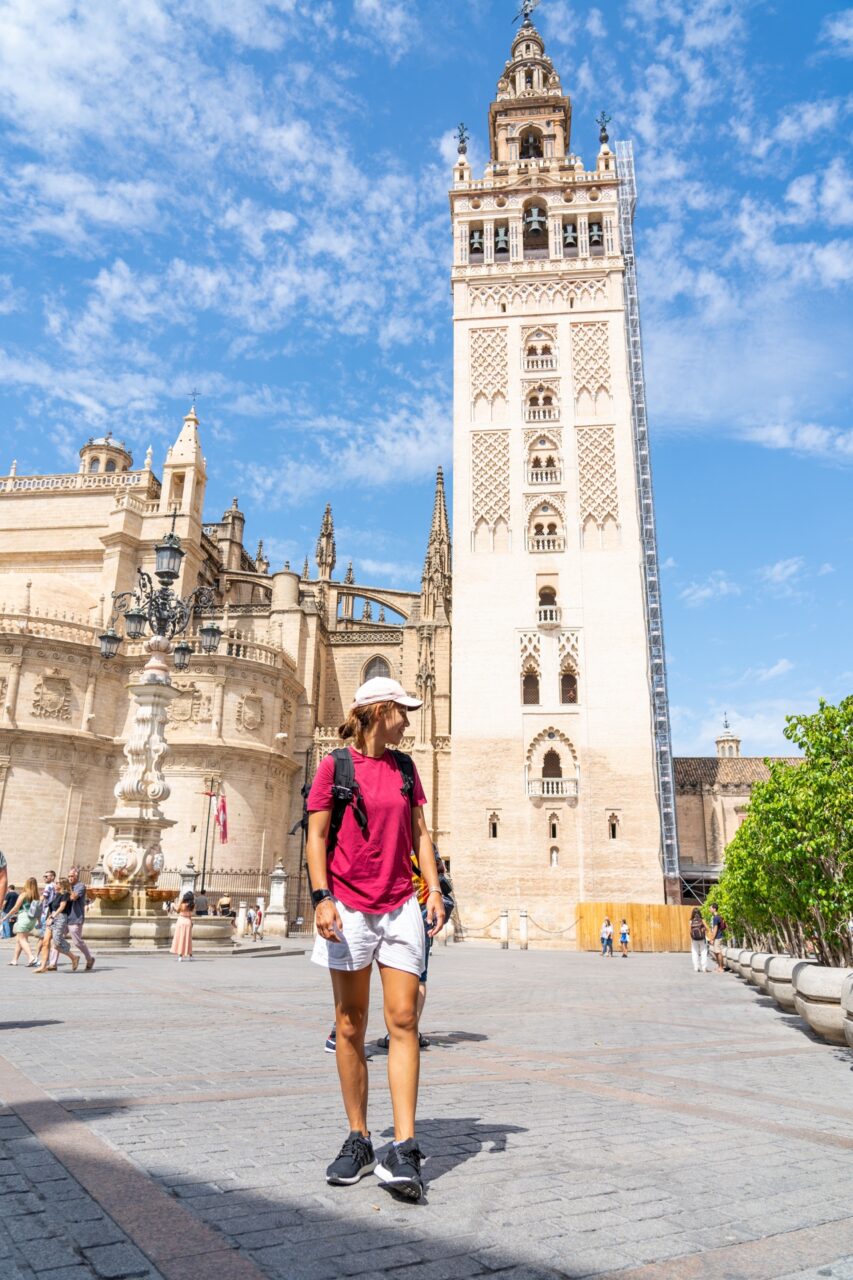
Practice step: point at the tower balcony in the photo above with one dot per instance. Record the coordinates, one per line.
(546, 542)
(539, 364)
(548, 615)
(544, 475)
(541, 413)
(553, 788)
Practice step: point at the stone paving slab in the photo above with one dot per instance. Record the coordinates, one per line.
(581, 1118)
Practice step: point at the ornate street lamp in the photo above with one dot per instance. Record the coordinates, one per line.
(158, 608)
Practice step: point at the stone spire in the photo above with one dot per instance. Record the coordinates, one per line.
(436, 578)
(349, 576)
(325, 553)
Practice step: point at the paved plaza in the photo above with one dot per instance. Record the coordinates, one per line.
(580, 1116)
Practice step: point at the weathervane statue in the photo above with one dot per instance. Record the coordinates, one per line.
(525, 11)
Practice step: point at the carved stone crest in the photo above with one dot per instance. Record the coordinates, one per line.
(52, 697)
(250, 712)
(190, 707)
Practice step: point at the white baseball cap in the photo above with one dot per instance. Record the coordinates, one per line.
(384, 689)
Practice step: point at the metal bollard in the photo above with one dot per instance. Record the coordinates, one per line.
(504, 929)
(522, 928)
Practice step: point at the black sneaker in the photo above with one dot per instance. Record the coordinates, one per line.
(332, 1041)
(400, 1171)
(355, 1160)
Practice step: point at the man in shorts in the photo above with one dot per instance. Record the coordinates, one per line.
(718, 936)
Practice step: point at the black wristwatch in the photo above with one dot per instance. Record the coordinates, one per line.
(318, 896)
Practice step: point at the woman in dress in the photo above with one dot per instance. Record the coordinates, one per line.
(366, 910)
(27, 908)
(58, 922)
(182, 938)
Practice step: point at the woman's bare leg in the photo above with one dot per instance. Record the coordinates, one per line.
(352, 1000)
(400, 991)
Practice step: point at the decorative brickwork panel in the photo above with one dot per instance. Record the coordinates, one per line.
(489, 363)
(531, 657)
(568, 650)
(490, 476)
(552, 295)
(597, 474)
(591, 359)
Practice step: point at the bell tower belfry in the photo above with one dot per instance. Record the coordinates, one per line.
(562, 773)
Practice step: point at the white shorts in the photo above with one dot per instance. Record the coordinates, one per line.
(395, 938)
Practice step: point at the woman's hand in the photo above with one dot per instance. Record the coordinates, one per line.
(435, 912)
(328, 921)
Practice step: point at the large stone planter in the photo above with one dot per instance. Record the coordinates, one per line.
(817, 995)
(729, 954)
(743, 963)
(758, 965)
(847, 1010)
(779, 986)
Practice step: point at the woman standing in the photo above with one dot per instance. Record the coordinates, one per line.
(182, 938)
(27, 908)
(58, 922)
(624, 938)
(698, 941)
(607, 938)
(365, 910)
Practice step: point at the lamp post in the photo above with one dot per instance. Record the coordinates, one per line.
(135, 858)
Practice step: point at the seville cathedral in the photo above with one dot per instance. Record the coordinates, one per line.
(543, 742)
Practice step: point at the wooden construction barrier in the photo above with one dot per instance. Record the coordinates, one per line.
(653, 925)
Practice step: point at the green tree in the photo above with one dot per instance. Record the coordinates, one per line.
(788, 877)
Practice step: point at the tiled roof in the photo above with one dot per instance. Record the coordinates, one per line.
(723, 771)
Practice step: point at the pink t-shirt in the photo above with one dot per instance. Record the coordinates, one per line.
(371, 872)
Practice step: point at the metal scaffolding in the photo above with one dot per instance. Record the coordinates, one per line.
(651, 574)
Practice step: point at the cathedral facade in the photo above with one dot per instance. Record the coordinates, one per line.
(552, 782)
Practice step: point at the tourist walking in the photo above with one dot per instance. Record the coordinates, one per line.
(698, 941)
(607, 938)
(25, 912)
(624, 939)
(182, 938)
(8, 910)
(258, 924)
(718, 936)
(58, 922)
(360, 838)
(77, 916)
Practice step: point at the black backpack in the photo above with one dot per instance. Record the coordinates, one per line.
(345, 791)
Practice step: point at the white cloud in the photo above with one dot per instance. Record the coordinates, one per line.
(395, 572)
(834, 444)
(782, 576)
(11, 298)
(393, 24)
(715, 587)
(595, 25)
(825, 569)
(780, 668)
(837, 32)
(41, 201)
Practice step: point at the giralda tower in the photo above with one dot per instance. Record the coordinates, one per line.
(562, 770)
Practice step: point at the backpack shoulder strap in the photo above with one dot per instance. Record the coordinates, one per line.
(344, 792)
(406, 765)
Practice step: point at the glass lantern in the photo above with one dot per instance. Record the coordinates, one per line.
(181, 655)
(209, 634)
(135, 622)
(168, 555)
(110, 642)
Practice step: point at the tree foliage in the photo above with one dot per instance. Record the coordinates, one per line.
(787, 883)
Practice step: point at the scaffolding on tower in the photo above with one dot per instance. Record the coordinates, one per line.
(651, 574)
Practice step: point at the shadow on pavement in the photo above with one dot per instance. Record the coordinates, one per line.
(34, 1022)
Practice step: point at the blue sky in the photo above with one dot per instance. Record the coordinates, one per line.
(251, 198)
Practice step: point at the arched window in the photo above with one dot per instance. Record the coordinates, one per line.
(535, 226)
(530, 689)
(555, 857)
(551, 765)
(95, 465)
(375, 667)
(613, 825)
(553, 826)
(568, 687)
(494, 825)
(531, 138)
(111, 466)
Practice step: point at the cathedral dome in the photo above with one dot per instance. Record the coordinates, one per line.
(105, 454)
